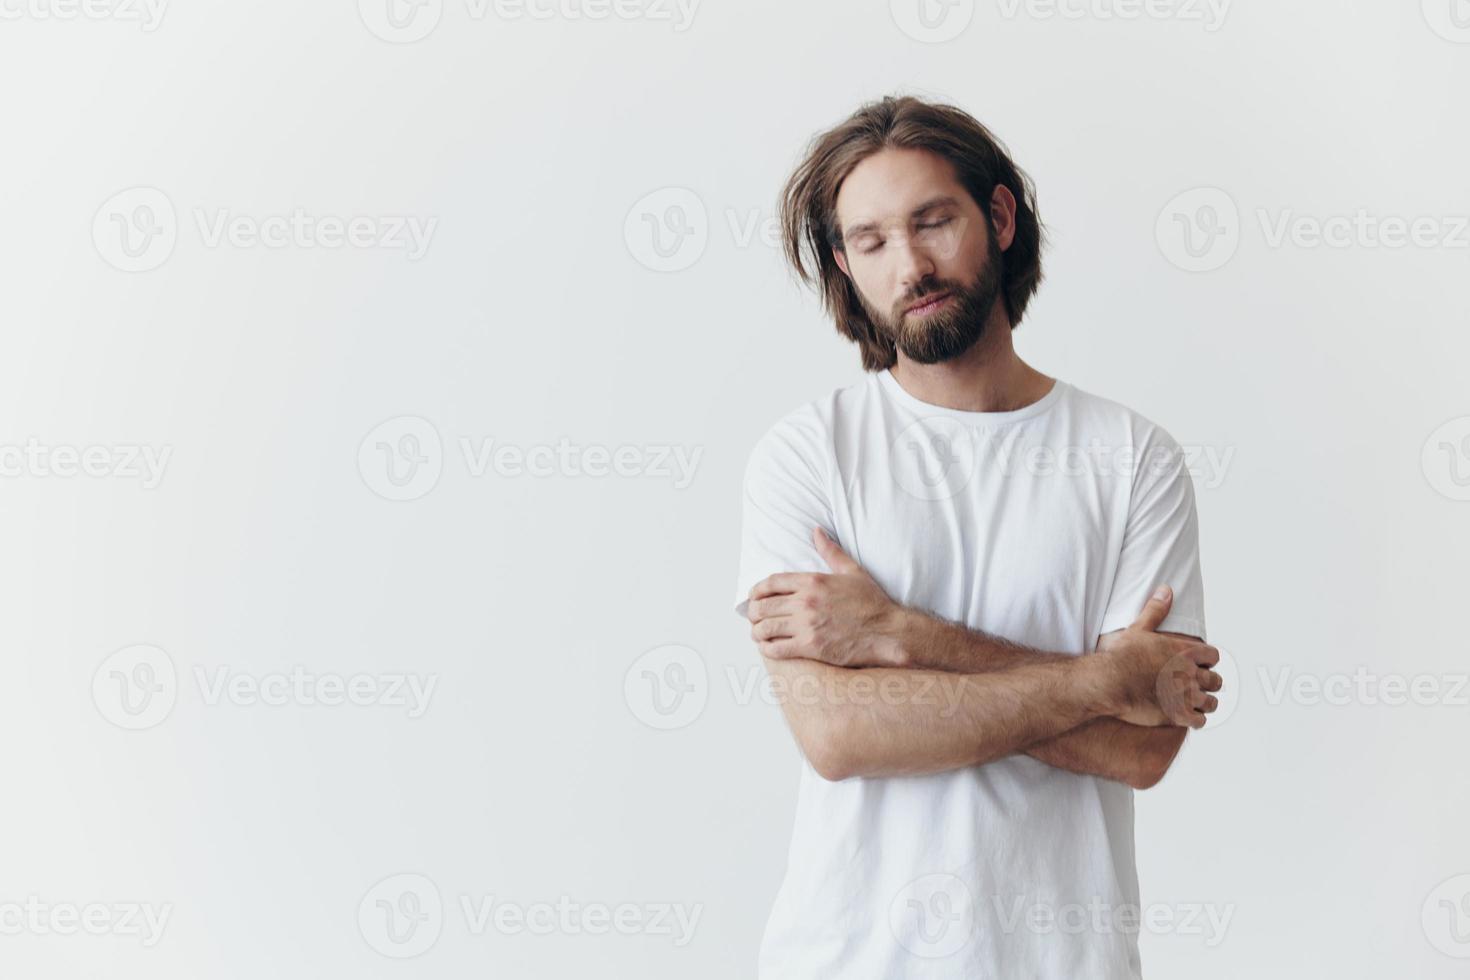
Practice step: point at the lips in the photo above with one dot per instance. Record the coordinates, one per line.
(928, 301)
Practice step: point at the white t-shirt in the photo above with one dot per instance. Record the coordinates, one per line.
(1048, 525)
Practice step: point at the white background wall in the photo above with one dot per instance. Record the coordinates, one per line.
(1333, 537)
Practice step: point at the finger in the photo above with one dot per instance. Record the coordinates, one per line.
(775, 605)
(837, 559)
(772, 629)
(782, 583)
(1181, 710)
(1209, 680)
(1206, 655)
(1155, 609)
(779, 649)
(1210, 704)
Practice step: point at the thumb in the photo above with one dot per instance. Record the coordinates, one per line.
(1155, 609)
(837, 559)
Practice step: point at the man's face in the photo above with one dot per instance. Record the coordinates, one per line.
(913, 234)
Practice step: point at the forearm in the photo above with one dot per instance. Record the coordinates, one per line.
(927, 642)
(895, 722)
(1113, 749)
(1105, 747)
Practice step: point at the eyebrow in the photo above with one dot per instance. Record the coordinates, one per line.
(929, 205)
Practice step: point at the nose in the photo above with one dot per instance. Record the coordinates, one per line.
(914, 264)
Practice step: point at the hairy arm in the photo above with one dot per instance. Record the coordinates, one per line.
(903, 721)
(1138, 755)
(839, 630)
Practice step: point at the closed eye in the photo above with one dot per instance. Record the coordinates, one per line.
(923, 227)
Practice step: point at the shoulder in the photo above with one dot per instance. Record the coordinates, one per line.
(1121, 425)
(805, 434)
(1138, 449)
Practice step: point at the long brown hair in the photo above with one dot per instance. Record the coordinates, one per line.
(809, 229)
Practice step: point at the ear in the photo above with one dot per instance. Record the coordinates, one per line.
(1003, 216)
(840, 257)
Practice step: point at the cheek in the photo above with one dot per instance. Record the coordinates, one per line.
(964, 253)
(969, 258)
(872, 282)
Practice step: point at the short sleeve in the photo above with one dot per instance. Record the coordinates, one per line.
(784, 497)
(1160, 541)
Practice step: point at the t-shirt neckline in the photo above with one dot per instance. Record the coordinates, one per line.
(900, 394)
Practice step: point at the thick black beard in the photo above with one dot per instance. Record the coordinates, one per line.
(947, 334)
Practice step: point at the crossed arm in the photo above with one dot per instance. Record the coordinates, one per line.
(900, 692)
(1138, 755)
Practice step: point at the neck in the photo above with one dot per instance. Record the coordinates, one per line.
(989, 377)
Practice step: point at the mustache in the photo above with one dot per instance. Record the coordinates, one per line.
(910, 302)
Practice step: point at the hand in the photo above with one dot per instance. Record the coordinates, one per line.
(844, 619)
(1159, 678)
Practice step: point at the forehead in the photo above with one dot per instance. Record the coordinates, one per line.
(891, 183)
